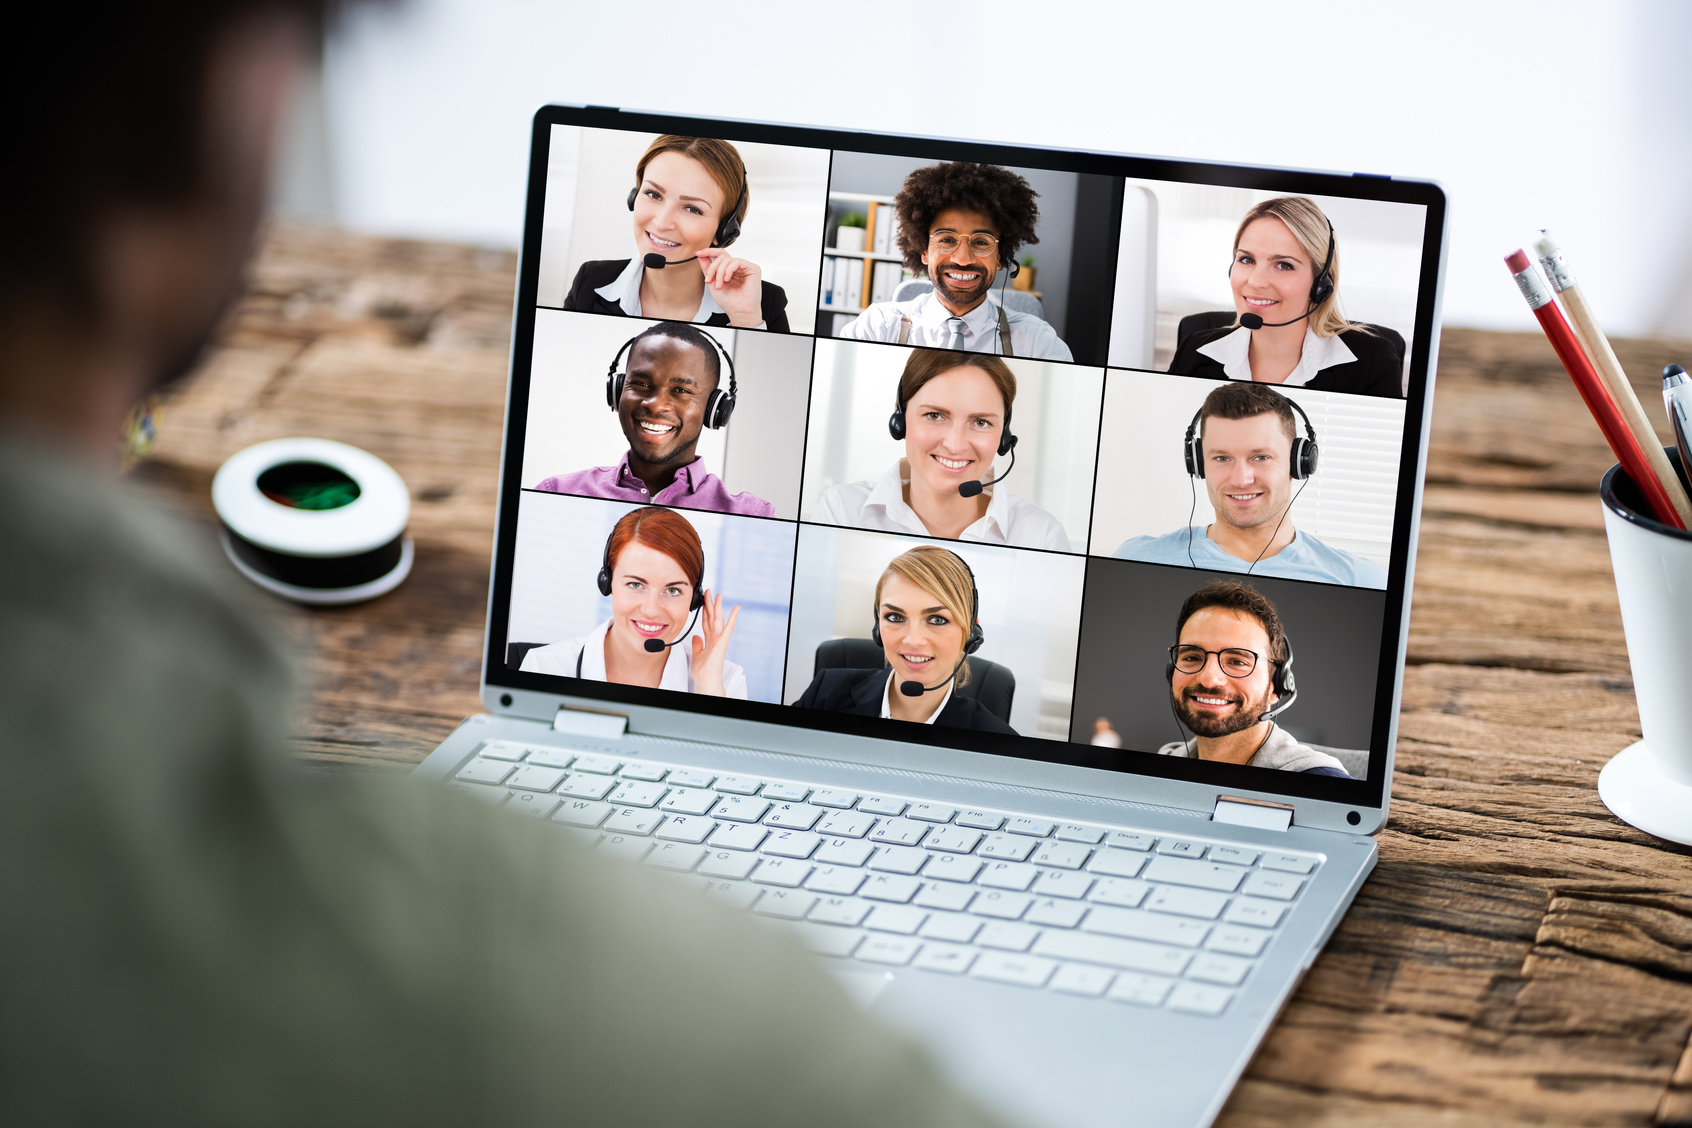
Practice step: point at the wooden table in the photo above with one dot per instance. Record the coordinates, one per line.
(1519, 956)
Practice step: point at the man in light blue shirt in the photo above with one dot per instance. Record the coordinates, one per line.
(1246, 447)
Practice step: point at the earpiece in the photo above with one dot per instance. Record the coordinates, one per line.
(718, 408)
(1303, 458)
(976, 635)
(728, 229)
(693, 604)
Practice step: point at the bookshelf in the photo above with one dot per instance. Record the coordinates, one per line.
(854, 279)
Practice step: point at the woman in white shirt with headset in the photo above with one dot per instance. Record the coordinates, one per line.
(954, 417)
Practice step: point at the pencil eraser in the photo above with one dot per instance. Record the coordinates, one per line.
(1517, 261)
(1545, 246)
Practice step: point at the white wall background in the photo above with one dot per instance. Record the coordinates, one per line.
(1055, 418)
(1559, 113)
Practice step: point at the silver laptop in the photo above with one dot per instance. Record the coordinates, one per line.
(991, 564)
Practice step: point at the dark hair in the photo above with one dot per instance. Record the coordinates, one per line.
(109, 109)
(997, 193)
(1242, 399)
(1231, 595)
(682, 331)
(924, 365)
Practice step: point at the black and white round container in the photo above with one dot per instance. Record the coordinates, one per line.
(314, 520)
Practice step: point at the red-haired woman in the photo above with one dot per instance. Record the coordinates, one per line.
(654, 571)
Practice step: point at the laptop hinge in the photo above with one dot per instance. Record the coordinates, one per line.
(599, 726)
(1252, 812)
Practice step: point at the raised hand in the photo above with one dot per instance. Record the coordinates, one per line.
(710, 646)
(735, 284)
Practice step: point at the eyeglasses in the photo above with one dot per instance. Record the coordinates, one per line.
(947, 243)
(1236, 661)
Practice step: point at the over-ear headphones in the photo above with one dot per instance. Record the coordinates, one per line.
(694, 604)
(728, 228)
(718, 408)
(896, 422)
(1321, 287)
(1281, 680)
(1304, 450)
(976, 636)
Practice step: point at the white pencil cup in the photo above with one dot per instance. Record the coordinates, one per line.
(1649, 783)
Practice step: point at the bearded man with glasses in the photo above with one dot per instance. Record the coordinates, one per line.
(961, 223)
(1230, 672)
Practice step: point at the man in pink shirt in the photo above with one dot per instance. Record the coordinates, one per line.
(667, 394)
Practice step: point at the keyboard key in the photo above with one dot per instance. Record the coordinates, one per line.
(1037, 828)
(794, 816)
(586, 786)
(551, 757)
(1199, 903)
(1196, 998)
(1074, 832)
(1006, 847)
(889, 887)
(1287, 863)
(739, 894)
(486, 771)
(647, 773)
(788, 904)
(1117, 863)
(1079, 979)
(597, 765)
(503, 750)
(1125, 840)
(1272, 885)
(685, 828)
(832, 797)
(931, 812)
(837, 942)
(582, 812)
(1062, 883)
(533, 805)
(952, 839)
(846, 824)
(1176, 848)
(898, 859)
(880, 805)
(1121, 891)
(1204, 875)
(637, 794)
(1237, 941)
(678, 856)
(945, 895)
(737, 836)
(1131, 955)
(785, 872)
(739, 808)
(1006, 935)
(844, 852)
(898, 832)
(836, 879)
(791, 844)
(1062, 855)
(980, 820)
(786, 792)
(739, 785)
(1137, 924)
(491, 796)
(883, 949)
(1008, 875)
(952, 867)
(728, 863)
(626, 847)
(1233, 855)
(688, 801)
(1004, 906)
(1023, 971)
(1261, 914)
(902, 919)
(954, 927)
(633, 820)
(846, 911)
(687, 777)
(1057, 914)
(1143, 990)
(948, 958)
(1226, 970)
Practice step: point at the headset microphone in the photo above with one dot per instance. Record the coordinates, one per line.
(971, 489)
(914, 688)
(1252, 321)
(656, 261)
(658, 645)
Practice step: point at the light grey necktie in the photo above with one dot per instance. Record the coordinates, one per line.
(956, 325)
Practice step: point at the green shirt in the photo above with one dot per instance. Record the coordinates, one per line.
(195, 930)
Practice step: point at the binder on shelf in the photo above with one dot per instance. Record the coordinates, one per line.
(842, 268)
(826, 290)
(855, 285)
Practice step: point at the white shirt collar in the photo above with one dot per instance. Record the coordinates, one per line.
(978, 322)
(887, 700)
(625, 291)
(888, 495)
(1232, 350)
(678, 664)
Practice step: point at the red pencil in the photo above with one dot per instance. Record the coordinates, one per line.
(1598, 401)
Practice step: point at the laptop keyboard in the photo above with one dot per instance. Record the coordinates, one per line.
(1142, 918)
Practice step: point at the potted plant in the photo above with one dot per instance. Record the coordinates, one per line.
(850, 235)
(1024, 279)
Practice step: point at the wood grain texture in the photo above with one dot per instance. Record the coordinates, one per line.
(1520, 956)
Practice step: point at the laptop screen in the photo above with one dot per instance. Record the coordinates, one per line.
(1077, 457)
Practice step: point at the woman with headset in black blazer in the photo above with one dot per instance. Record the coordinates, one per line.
(1289, 329)
(927, 623)
(688, 202)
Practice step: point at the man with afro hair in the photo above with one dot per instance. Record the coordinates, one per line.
(961, 223)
